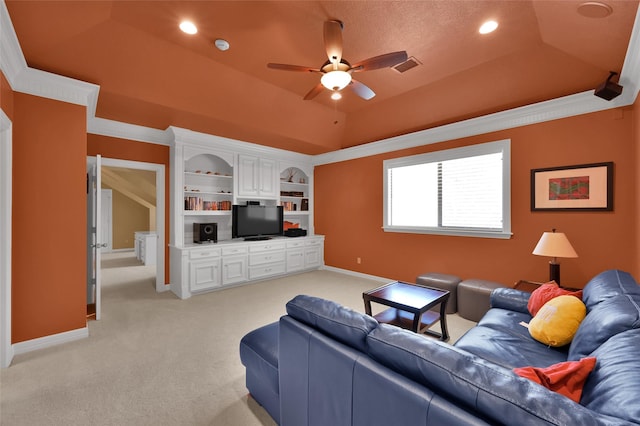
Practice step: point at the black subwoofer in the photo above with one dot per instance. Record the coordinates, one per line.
(205, 233)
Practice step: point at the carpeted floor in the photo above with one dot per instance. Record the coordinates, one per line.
(154, 359)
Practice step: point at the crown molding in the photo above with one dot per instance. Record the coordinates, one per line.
(205, 140)
(11, 59)
(581, 103)
(578, 104)
(48, 85)
(118, 129)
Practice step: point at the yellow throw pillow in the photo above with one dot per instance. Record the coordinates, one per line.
(558, 320)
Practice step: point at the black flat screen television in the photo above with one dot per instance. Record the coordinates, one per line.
(256, 222)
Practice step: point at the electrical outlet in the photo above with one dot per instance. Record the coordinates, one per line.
(358, 260)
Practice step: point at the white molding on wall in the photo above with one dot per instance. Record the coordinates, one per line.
(205, 140)
(51, 340)
(40, 83)
(358, 274)
(578, 104)
(6, 149)
(117, 129)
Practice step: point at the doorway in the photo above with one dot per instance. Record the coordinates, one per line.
(118, 173)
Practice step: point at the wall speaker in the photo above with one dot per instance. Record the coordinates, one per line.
(205, 233)
(608, 90)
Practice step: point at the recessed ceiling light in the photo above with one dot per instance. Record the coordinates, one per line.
(488, 27)
(188, 27)
(595, 9)
(221, 44)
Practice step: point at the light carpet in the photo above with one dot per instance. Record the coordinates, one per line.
(154, 359)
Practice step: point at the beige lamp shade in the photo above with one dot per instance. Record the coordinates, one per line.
(554, 244)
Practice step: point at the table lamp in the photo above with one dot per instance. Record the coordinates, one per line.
(554, 244)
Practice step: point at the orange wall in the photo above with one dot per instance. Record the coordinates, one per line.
(49, 217)
(123, 149)
(349, 201)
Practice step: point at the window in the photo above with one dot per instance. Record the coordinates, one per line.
(462, 191)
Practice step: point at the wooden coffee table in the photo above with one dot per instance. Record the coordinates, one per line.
(409, 306)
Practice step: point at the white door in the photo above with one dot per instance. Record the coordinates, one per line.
(94, 233)
(107, 220)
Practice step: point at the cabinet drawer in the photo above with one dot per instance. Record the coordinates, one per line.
(256, 248)
(266, 257)
(295, 244)
(313, 242)
(204, 254)
(230, 251)
(266, 271)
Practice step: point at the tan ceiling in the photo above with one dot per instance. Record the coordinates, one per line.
(151, 74)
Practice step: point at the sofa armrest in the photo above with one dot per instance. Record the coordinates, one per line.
(511, 299)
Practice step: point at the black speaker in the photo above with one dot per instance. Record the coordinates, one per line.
(608, 90)
(205, 233)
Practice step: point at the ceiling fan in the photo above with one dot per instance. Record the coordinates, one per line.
(336, 72)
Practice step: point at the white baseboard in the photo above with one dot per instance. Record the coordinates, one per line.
(48, 341)
(358, 274)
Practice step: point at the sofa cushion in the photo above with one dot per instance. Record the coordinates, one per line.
(567, 378)
(608, 318)
(546, 292)
(606, 285)
(557, 321)
(344, 324)
(613, 386)
(501, 339)
(510, 299)
(473, 382)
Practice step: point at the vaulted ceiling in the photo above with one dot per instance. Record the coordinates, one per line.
(152, 74)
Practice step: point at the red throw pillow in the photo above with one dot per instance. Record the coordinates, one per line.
(565, 378)
(546, 292)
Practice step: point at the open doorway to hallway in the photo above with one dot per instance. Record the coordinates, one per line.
(133, 204)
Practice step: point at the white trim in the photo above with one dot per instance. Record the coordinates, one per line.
(116, 129)
(357, 274)
(6, 149)
(11, 58)
(51, 340)
(568, 106)
(159, 169)
(22, 78)
(502, 146)
(205, 141)
(578, 104)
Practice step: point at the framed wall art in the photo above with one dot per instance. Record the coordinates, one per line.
(581, 187)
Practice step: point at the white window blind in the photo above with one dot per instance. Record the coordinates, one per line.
(463, 191)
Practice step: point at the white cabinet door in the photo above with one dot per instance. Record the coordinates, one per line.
(204, 274)
(234, 269)
(295, 260)
(257, 177)
(269, 177)
(248, 176)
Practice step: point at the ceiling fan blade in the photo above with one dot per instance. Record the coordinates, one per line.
(314, 92)
(382, 61)
(287, 67)
(333, 41)
(361, 90)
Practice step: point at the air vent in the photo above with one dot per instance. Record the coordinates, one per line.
(407, 65)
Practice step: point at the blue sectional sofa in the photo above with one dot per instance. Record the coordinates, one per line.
(324, 364)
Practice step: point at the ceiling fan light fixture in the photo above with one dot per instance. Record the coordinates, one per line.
(336, 80)
(336, 96)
